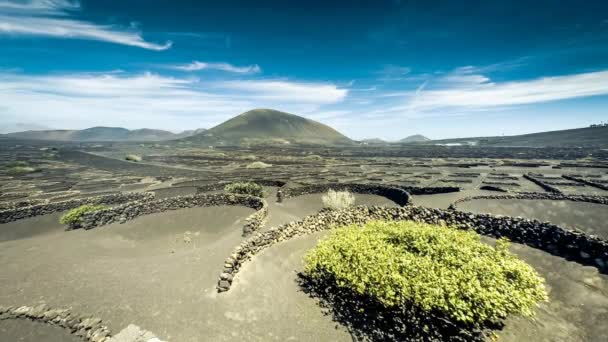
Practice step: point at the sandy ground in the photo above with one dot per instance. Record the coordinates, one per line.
(159, 272)
(577, 309)
(578, 302)
(443, 201)
(295, 208)
(590, 218)
(22, 330)
(141, 272)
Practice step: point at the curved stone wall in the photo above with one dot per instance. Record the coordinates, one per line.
(131, 210)
(15, 214)
(396, 195)
(89, 328)
(587, 250)
(221, 185)
(538, 196)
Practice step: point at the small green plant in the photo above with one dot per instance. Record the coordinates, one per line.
(435, 269)
(314, 157)
(245, 188)
(338, 199)
(18, 163)
(258, 165)
(18, 170)
(74, 215)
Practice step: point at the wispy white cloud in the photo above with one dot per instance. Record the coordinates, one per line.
(196, 66)
(478, 92)
(393, 73)
(50, 18)
(149, 100)
(39, 7)
(321, 93)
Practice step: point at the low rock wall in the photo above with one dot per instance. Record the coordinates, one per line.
(418, 190)
(542, 184)
(586, 182)
(587, 250)
(88, 328)
(19, 213)
(539, 196)
(397, 195)
(131, 210)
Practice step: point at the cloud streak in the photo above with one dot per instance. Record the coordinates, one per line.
(196, 66)
(478, 92)
(321, 93)
(149, 100)
(50, 18)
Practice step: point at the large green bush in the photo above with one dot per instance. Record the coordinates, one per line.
(245, 188)
(432, 268)
(75, 214)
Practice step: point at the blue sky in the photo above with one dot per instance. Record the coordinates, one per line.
(384, 69)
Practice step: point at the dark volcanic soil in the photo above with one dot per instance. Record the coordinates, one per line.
(23, 330)
(590, 218)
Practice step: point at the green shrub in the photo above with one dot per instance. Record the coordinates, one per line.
(18, 163)
(76, 214)
(338, 199)
(435, 269)
(314, 157)
(245, 188)
(18, 170)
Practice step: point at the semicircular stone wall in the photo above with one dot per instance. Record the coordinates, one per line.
(573, 245)
(397, 195)
(131, 210)
(24, 212)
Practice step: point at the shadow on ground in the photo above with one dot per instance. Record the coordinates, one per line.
(368, 320)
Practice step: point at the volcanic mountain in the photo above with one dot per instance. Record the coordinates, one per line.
(268, 126)
(414, 138)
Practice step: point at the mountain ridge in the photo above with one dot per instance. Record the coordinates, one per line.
(100, 133)
(574, 137)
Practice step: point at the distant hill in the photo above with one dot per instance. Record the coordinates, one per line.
(101, 134)
(268, 126)
(414, 138)
(579, 137)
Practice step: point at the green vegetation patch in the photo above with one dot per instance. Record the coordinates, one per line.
(19, 167)
(76, 214)
(435, 269)
(245, 188)
(258, 165)
(18, 170)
